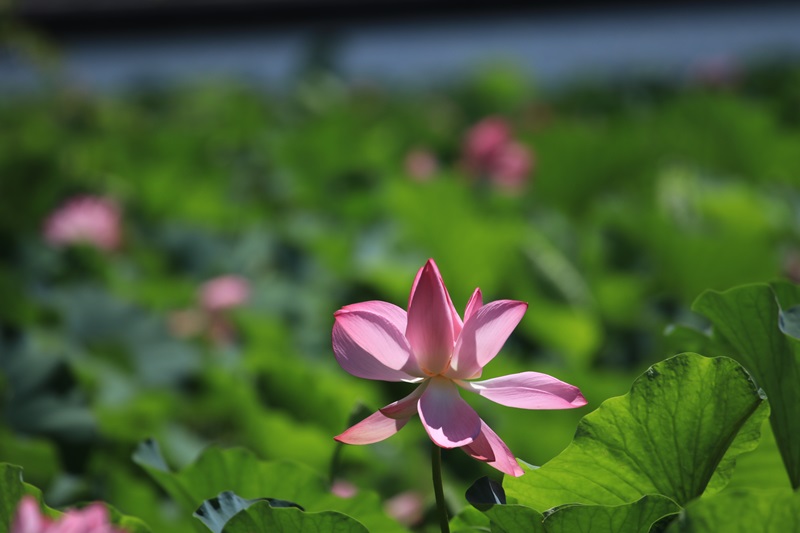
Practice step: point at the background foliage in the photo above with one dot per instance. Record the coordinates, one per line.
(644, 194)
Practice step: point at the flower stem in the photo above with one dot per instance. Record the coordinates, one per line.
(441, 507)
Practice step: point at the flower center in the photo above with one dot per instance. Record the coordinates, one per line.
(431, 373)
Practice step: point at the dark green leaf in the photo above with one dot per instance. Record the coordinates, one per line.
(486, 492)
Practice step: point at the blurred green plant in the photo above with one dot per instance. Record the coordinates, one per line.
(643, 194)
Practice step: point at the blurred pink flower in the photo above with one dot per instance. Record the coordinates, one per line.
(91, 519)
(89, 220)
(432, 347)
(491, 151)
(716, 72)
(484, 140)
(421, 164)
(407, 508)
(511, 166)
(344, 489)
(224, 292)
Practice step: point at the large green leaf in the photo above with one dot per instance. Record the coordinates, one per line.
(749, 324)
(636, 517)
(263, 518)
(238, 470)
(669, 435)
(741, 511)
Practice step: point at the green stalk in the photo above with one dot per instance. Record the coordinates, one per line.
(438, 490)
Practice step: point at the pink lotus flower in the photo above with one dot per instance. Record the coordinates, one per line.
(490, 151)
(88, 220)
(511, 166)
(224, 292)
(432, 347)
(91, 519)
(484, 140)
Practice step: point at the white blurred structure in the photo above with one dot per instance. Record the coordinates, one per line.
(553, 47)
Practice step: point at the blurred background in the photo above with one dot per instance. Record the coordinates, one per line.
(191, 188)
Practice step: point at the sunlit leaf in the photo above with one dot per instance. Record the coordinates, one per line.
(741, 511)
(636, 517)
(512, 518)
(763, 467)
(747, 324)
(668, 436)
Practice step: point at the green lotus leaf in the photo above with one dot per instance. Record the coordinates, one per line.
(741, 511)
(636, 517)
(757, 326)
(239, 471)
(261, 517)
(676, 432)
